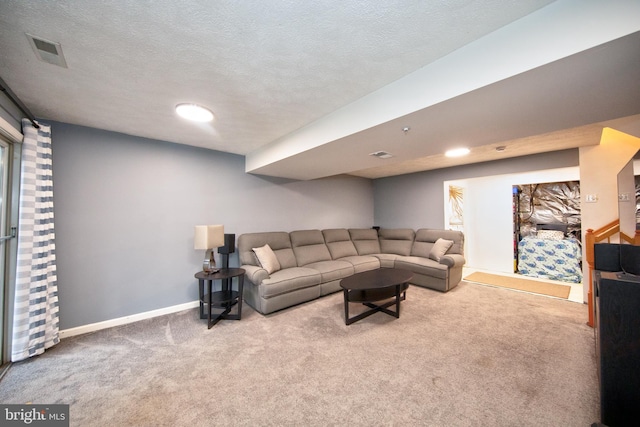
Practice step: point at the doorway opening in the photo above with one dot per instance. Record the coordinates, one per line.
(547, 231)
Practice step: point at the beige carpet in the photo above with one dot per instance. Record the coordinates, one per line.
(550, 289)
(474, 356)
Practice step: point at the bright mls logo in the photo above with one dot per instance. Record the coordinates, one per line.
(35, 415)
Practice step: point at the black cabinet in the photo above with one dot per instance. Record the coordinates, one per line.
(618, 348)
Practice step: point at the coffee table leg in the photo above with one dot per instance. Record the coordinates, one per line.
(346, 306)
(400, 295)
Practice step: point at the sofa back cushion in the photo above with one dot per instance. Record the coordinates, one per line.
(278, 241)
(365, 240)
(308, 246)
(339, 243)
(396, 240)
(426, 238)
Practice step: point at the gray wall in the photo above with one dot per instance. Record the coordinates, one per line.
(125, 208)
(417, 200)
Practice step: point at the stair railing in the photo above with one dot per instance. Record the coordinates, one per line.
(595, 236)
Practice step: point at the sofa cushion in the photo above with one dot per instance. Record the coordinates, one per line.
(278, 241)
(387, 260)
(267, 258)
(424, 266)
(362, 262)
(365, 240)
(440, 247)
(290, 279)
(308, 247)
(339, 243)
(332, 270)
(396, 240)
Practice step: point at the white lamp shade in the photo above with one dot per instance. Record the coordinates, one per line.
(208, 236)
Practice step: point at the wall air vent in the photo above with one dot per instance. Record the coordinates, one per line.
(381, 155)
(47, 51)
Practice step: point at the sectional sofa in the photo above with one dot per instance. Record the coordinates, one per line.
(288, 268)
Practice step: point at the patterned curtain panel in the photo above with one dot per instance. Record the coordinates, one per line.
(35, 321)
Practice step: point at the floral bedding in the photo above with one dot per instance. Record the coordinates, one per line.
(550, 259)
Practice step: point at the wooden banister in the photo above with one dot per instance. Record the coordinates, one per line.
(591, 238)
(635, 240)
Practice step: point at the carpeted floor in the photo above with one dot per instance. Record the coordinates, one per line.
(475, 356)
(528, 285)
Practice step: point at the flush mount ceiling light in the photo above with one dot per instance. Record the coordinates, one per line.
(457, 152)
(194, 112)
(381, 154)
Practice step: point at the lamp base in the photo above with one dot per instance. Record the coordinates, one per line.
(209, 263)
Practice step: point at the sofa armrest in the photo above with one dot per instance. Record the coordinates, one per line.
(452, 260)
(255, 274)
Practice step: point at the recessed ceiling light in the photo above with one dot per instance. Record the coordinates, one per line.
(457, 152)
(194, 112)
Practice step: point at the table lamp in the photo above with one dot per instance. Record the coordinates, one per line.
(208, 237)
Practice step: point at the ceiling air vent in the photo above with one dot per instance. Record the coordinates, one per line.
(381, 155)
(47, 51)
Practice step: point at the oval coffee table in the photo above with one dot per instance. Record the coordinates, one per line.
(372, 286)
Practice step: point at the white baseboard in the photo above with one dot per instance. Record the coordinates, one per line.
(84, 329)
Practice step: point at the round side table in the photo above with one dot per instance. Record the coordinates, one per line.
(226, 298)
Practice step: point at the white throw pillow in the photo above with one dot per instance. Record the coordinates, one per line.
(267, 258)
(440, 247)
(550, 234)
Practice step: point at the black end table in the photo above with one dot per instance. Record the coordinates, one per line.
(372, 286)
(225, 298)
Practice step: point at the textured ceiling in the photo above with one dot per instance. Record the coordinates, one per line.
(266, 69)
(557, 106)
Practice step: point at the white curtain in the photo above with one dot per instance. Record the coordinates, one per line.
(35, 319)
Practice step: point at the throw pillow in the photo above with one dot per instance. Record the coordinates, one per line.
(267, 258)
(440, 247)
(550, 234)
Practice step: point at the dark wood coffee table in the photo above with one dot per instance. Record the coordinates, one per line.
(372, 286)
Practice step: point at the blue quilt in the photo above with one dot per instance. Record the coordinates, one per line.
(550, 259)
